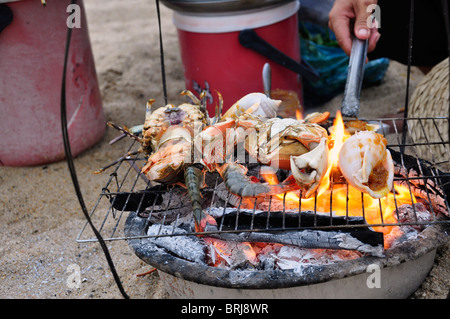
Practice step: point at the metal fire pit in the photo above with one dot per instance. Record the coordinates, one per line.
(401, 272)
(125, 207)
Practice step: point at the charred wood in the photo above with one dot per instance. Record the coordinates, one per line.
(368, 242)
(426, 181)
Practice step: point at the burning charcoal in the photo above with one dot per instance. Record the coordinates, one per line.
(136, 202)
(174, 204)
(426, 181)
(231, 255)
(267, 262)
(226, 196)
(369, 242)
(186, 247)
(158, 198)
(168, 216)
(414, 214)
(212, 179)
(401, 235)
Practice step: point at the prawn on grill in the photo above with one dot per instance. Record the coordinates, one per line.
(289, 144)
(167, 139)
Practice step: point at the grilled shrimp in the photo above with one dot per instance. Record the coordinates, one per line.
(238, 183)
(167, 140)
(194, 179)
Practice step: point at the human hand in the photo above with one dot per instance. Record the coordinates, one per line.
(347, 13)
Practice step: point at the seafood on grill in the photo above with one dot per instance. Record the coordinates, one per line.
(317, 117)
(186, 115)
(273, 142)
(167, 138)
(172, 151)
(308, 169)
(367, 164)
(279, 139)
(356, 125)
(168, 141)
(257, 104)
(182, 143)
(194, 178)
(238, 183)
(224, 142)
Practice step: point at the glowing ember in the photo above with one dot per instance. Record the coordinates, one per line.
(222, 252)
(237, 255)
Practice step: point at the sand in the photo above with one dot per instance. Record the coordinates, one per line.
(39, 253)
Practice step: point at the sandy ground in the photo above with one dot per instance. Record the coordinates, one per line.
(39, 228)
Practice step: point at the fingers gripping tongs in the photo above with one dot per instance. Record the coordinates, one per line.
(350, 102)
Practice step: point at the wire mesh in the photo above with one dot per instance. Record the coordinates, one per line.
(428, 149)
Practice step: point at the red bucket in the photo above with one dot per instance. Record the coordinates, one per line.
(31, 65)
(214, 59)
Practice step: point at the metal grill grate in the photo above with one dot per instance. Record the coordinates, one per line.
(419, 142)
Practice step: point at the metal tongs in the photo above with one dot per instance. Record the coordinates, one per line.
(350, 102)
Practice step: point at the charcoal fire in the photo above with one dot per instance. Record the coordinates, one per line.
(304, 192)
(305, 235)
(337, 222)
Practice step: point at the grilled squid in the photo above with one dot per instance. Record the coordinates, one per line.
(366, 163)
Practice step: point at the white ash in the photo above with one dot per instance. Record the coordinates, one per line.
(416, 213)
(175, 205)
(271, 256)
(231, 255)
(407, 213)
(187, 247)
(349, 242)
(400, 235)
(291, 257)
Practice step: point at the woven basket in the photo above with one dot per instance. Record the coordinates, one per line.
(431, 99)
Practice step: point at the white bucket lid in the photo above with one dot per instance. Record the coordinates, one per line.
(234, 21)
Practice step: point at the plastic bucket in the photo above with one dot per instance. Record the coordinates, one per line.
(31, 66)
(214, 60)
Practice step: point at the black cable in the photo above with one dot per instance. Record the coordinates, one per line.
(408, 74)
(445, 10)
(161, 50)
(72, 171)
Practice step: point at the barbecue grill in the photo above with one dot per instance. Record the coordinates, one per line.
(128, 190)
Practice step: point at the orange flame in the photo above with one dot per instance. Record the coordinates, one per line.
(298, 114)
(346, 200)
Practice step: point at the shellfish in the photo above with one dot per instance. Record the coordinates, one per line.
(366, 163)
(280, 139)
(308, 169)
(257, 104)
